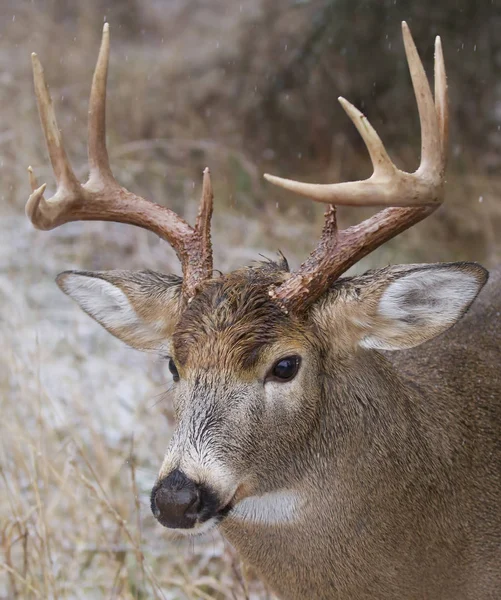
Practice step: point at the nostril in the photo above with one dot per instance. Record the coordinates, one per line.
(175, 501)
(193, 509)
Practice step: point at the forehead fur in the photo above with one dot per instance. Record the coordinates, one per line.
(232, 318)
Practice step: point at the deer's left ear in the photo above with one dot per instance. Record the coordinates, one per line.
(139, 307)
(399, 307)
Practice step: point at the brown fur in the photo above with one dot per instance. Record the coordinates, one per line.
(410, 504)
(231, 321)
(394, 458)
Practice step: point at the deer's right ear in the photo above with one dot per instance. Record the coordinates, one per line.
(141, 308)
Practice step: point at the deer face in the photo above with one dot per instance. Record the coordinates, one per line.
(249, 378)
(239, 365)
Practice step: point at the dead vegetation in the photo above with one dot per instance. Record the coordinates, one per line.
(244, 88)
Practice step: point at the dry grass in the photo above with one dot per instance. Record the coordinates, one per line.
(85, 421)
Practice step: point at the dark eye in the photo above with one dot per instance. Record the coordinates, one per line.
(173, 370)
(285, 369)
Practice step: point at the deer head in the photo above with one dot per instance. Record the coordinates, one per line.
(260, 354)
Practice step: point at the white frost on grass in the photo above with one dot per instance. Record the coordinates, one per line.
(72, 397)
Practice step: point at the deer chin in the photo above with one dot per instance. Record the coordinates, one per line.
(196, 530)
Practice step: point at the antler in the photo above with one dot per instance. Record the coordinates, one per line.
(423, 190)
(102, 198)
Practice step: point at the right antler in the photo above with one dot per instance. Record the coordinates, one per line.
(423, 190)
(102, 198)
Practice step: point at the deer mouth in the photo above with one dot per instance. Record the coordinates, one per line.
(223, 512)
(239, 494)
(227, 507)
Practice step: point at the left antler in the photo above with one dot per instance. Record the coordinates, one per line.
(422, 192)
(102, 198)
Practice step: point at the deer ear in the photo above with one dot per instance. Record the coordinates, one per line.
(403, 306)
(140, 308)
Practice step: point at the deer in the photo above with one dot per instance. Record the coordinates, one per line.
(341, 431)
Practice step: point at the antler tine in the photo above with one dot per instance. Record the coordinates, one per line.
(58, 157)
(102, 198)
(441, 100)
(296, 293)
(379, 157)
(40, 212)
(431, 151)
(99, 163)
(422, 191)
(202, 225)
(388, 186)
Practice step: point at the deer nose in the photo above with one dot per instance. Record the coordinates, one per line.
(175, 501)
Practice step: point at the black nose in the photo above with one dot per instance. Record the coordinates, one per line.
(175, 501)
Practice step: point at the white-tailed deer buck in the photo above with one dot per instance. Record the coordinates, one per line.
(336, 470)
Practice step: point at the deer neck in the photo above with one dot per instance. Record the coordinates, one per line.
(354, 489)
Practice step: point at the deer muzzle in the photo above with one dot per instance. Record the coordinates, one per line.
(178, 502)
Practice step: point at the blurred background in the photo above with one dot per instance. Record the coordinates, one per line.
(244, 88)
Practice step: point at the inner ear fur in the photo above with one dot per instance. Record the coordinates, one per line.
(397, 307)
(141, 308)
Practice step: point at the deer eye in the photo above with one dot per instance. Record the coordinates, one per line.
(285, 369)
(173, 370)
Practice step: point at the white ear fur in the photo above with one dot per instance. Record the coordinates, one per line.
(143, 320)
(100, 299)
(421, 304)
